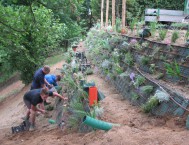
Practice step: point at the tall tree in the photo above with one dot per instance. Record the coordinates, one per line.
(123, 12)
(113, 13)
(107, 12)
(118, 9)
(102, 11)
(28, 34)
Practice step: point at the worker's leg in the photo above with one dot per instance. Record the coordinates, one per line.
(28, 105)
(32, 119)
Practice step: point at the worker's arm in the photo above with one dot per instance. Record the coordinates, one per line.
(34, 108)
(60, 96)
(42, 106)
(47, 83)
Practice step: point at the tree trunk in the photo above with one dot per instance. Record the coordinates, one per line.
(123, 12)
(113, 13)
(102, 10)
(107, 11)
(117, 8)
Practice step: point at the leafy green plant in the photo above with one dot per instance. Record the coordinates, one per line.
(29, 35)
(162, 57)
(139, 81)
(146, 89)
(77, 113)
(138, 46)
(139, 26)
(179, 25)
(160, 76)
(89, 71)
(155, 51)
(152, 68)
(132, 24)
(145, 44)
(134, 96)
(153, 26)
(129, 59)
(117, 70)
(175, 36)
(152, 102)
(118, 25)
(145, 60)
(187, 35)
(162, 34)
(173, 69)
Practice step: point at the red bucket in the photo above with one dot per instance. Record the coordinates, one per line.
(92, 95)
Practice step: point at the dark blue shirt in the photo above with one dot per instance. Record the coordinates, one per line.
(51, 79)
(38, 79)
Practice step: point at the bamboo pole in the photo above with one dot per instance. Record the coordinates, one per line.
(102, 9)
(123, 12)
(107, 11)
(113, 13)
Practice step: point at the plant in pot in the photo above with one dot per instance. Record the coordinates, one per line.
(123, 30)
(74, 47)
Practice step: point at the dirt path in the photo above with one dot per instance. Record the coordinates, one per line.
(136, 127)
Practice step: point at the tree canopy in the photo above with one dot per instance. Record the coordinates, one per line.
(32, 29)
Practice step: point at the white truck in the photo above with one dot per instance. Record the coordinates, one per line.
(168, 16)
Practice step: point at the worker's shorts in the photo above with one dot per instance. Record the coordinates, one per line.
(27, 103)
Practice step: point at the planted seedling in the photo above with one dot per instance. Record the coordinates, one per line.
(129, 59)
(173, 69)
(139, 81)
(134, 96)
(162, 34)
(146, 89)
(152, 68)
(160, 76)
(152, 102)
(175, 36)
(145, 60)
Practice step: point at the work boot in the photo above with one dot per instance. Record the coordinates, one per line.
(25, 118)
(32, 127)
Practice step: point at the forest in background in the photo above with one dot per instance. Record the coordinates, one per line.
(33, 29)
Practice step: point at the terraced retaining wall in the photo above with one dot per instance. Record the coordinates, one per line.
(163, 53)
(159, 54)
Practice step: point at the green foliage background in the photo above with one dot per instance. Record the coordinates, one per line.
(33, 29)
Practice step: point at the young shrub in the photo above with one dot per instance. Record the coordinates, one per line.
(89, 71)
(175, 36)
(173, 69)
(162, 34)
(152, 102)
(145, 60)
(129, 59)
(146, 89)
(118, 24)
(132, 25)
(134, 96)
(153, 26)
(139, 81)
(187, 35)
(152, 68)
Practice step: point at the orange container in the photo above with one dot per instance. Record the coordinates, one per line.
(92, 96)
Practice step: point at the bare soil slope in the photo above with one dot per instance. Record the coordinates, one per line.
(136, 127)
